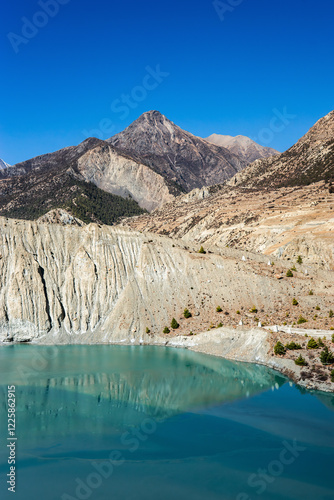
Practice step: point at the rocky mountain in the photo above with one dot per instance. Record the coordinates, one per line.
(188, 161)
(242, 146)
(93, 180)
(310, 160)
(3, 164)
(281, 206)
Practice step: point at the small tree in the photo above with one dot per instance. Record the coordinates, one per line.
(294, 302)
(219, 325)
(293, 346)
(166, 329)
(312, 344)
(299, 260)
(331, 313)
(310, 292)
(218, 309)
(187, 313)
(320, 342)
(279, 349)
(289, 273)
(301, 320)
(326, 356)
(148, 330)
(253, 310)
(293, 268)
(300, 361)
(317, 308)
(201, 250)
(174, 324)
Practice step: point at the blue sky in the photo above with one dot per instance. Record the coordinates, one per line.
(234, 67)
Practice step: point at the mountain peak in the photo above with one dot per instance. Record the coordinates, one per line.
(3, 164)
(242, 146)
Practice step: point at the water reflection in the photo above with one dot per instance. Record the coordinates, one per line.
(116, 385)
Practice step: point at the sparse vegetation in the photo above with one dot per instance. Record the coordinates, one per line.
(332, 375)
(301, 320)
(326, 356)
(201, 250)
(219, 325)
(187, 313)
(293, 268)
(310, 292)
(289, 273)
(218, 309)
(294, 302)
(253, 310)
(299, 260)
(292, 346)
(166, 329)
(331, 313)
(312, 344)
(238, 312)
(320, 342)
(300, 361)
(317, 308)
(174, 324)
(279, 349)
(148, 330)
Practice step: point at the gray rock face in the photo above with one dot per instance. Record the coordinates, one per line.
(187, 160)
(242, 146)
(310, 160)
(3, 164)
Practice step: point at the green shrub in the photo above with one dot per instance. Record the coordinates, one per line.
(292, 346)
(219, 325)
(191, 333)
(218, 309)
(301, 320)
(279, 349)
(293, 268)
(166, 329)
(148, 330)
(320, 343)
(187, 313)
(317, 308)
(294, 302)
(299, 260)
(333, 338)
(312, 344)
(289, 273)
(326, 356)
(238, 312)
(332, 375)
(201, 250)
(300, 361)
(331, 313)
(310, 292)
(253, 310)
(174, 324)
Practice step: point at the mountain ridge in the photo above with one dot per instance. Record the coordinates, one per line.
(242, 146)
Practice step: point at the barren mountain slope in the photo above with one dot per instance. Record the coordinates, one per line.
(177, 155)
(311, 159)
(242, 146)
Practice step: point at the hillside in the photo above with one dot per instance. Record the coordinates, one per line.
(242, 146)
(177, 155)
(310, 160)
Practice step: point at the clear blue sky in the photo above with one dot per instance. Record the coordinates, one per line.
(226, 74)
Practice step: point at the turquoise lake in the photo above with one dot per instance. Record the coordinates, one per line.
(144, 423)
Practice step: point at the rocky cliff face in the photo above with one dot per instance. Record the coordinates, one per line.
(311, 159)
(177, 155)
(100, 284)
(242, 146)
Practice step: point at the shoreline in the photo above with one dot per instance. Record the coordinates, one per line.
(253, 345)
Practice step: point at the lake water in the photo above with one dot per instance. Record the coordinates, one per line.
(144, 423)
